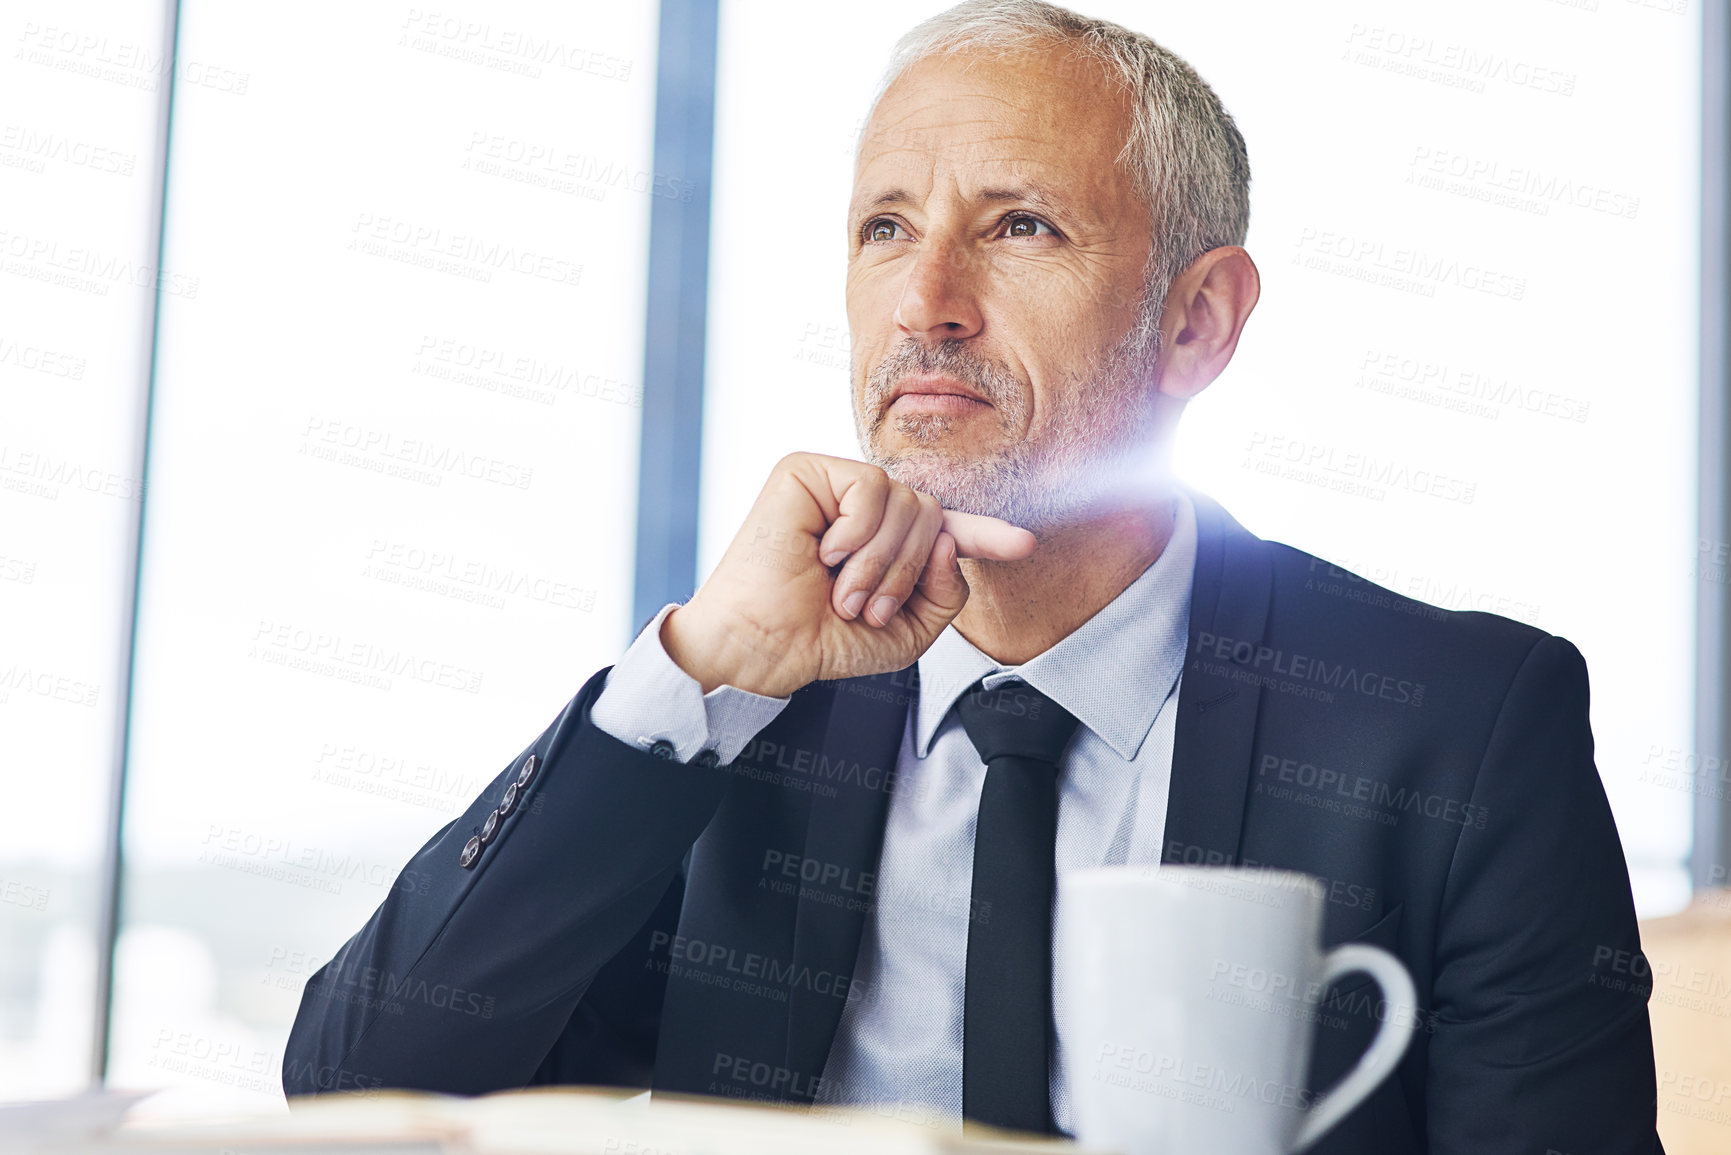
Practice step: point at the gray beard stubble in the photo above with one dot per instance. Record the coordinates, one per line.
(1096, 449)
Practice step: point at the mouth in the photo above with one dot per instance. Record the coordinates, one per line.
(934, 393)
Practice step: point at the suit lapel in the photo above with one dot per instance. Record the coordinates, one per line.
(845, 836)
(1219, 698)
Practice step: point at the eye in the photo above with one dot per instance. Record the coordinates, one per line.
(1022, 225)
(879, 229)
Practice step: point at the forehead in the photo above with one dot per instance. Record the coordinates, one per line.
(1045, 116)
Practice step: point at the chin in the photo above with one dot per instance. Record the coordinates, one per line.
(1039, 495)
(930, 471)
(989, 486)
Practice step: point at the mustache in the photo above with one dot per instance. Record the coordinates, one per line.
(992, 379)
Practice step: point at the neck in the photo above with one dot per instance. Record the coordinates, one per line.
(1019, 610)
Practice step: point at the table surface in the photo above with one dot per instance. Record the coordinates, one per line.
(542, 1121)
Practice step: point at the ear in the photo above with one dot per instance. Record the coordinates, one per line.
(1205, 312)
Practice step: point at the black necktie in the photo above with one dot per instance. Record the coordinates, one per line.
(1007, 1000)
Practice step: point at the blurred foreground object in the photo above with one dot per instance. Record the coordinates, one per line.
(553, 1121)
(63, 1124)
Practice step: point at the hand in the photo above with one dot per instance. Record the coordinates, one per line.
(838, 572)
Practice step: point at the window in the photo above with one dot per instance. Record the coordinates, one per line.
(79, 176)
(393, 462)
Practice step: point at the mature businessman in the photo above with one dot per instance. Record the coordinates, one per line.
(772, 853)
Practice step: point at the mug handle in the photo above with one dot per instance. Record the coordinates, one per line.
(1384, 1052)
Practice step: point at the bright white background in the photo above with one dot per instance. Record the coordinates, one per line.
(1585, 528)
(314, 611)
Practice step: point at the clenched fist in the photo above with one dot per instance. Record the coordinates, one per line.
(838, 572)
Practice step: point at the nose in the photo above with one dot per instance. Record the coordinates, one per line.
(939, 299)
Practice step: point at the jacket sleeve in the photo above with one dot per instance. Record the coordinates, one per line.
(469, 972)
(1540, 1033)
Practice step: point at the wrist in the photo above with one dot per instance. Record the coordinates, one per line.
(714, 656)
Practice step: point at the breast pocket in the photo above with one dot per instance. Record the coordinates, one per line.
(1348, 1016)
(1384, 932)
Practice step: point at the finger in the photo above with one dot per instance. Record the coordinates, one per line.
(910, 562)
(989, 538)
(868, 564)
(860, 497)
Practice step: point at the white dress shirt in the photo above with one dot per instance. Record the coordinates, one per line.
(901, 1041)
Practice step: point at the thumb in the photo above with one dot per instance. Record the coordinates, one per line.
(941, 592)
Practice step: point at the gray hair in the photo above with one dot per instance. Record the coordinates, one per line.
(1184, 156)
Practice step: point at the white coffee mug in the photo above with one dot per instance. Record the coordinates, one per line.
(1192, 994)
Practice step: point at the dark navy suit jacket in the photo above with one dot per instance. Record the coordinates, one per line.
(634, 920)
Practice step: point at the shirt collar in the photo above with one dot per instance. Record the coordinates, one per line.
(1113, 673)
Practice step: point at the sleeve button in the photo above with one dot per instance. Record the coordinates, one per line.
(528, 771)
(708, 759)
(490, 828)
(509, 802)
(471, 852)
(663, 749)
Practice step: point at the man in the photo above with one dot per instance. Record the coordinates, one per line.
(790, 848)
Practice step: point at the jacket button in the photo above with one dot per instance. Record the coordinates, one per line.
(663, 749)
(509, 802)
(490, 828)
(528, 771)
(471, 852)
(708, 759)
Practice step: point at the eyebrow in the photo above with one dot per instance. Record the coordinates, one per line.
(1031, 195)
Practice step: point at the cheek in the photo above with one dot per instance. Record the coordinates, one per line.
(872, 291)
(1094, 292)
(871, 317)
(1047, 346)
(1060, 319)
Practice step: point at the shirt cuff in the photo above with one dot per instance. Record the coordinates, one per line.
(649, 699)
